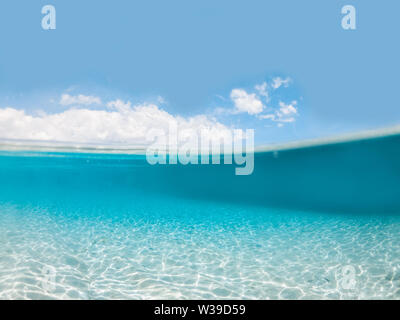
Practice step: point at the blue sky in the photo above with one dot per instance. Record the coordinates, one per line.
(194, 53)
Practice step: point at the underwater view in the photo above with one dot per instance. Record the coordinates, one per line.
(199, 158)
(320, 222)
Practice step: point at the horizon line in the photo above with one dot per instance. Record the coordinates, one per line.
(117, 148)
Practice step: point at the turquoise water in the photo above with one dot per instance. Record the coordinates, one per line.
(311, 223)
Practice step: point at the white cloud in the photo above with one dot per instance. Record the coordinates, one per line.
(121, 123)
(246, 102)
(262, 89)
(278, 82)
(256, 102)
(285, 114)
(80, 99)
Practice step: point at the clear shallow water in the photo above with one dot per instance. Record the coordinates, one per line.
(101, 226)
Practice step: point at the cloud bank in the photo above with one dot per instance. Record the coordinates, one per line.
(120, 123)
